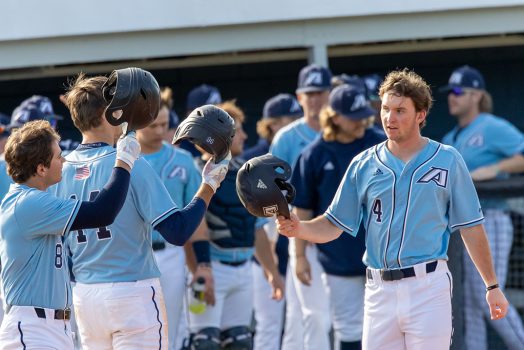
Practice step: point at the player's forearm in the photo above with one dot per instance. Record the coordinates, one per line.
(180, 226)
(477, 245)
(318, 230)
(300, 244)
(263, 252)
(205, 192)
(512, 165)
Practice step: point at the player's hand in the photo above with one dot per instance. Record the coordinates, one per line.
(128, 149)
(288, 227)
(485, 173)
(303, 270)
(277, 286)
(498, 304)
(206, 272)
(213, 174)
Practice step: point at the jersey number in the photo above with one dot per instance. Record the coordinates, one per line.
(101, 232)
(58, 256)
(377, 209)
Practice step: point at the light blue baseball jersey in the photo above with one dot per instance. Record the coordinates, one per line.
(486, 140)
(291, 140)
(177, 170)
(5, 180)
(34, 265)
(120, 252)
(408, 209)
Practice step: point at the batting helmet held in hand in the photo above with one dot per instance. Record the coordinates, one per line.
(209, 127)
(260, 185)
(133, 96)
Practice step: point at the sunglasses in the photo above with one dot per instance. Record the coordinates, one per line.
(457, 91)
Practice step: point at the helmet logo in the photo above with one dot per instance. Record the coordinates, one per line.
(210, 140)
(271, 210)
(261, 185)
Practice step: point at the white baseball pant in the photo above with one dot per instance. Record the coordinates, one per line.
(293, 329)
(172, 265)
(476, 312)
(233, 299)
(23, 329)
(346, 300)
(121, 315)
(314, 302)
(413, 313)
(269, 313)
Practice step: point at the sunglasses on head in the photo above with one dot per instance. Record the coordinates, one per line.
(53, 123)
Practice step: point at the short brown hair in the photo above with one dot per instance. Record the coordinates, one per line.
(407, 83)
(85, 101)
(233, 110)
(28, 147)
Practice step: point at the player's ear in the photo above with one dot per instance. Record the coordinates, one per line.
(41, 170)
(421, 116)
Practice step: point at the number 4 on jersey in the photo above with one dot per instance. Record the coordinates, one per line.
(377, 209)
(101, 232)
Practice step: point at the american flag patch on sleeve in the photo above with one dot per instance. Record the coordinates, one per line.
(82, 172)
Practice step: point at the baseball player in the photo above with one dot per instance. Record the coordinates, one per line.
(35, 274)
(279, 111)
(409, 192)
(317, 173)
(118, 300)
(485, 140)
(178, 172)
(167, 98)
(235, 236)
(314, 83)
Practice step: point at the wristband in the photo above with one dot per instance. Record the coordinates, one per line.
(493, 286)
(201, 249)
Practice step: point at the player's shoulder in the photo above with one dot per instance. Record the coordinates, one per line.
(180, 155)
(492, 122)
(288, 131)
(369, 154)
(89, 155)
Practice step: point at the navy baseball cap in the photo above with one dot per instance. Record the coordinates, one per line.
(282, 105)
(203, 95)
(373, 82)
(351, 80)
(314, 78)
(465, 77)
(350, 102)
(34, 108)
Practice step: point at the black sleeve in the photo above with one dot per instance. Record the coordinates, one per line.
(179, 226)
(106, 206)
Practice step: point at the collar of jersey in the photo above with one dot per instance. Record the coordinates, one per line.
(83, 146)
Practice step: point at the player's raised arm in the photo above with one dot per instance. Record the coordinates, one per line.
(317, 230)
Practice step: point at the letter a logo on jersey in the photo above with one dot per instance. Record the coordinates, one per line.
(437, 175)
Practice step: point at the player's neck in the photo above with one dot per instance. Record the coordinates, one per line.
(312, 121)
(94, 136)
(36, 182)
(150, 148)
(405, 150)
(467, 118)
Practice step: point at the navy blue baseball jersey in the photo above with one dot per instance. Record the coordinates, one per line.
(408, 209)
(316, 176)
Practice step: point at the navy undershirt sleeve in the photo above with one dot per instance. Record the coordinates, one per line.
(179, 226)
(106, 206)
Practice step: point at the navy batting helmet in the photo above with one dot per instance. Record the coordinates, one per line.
(209, 127)
(260, 185)
(133, 96)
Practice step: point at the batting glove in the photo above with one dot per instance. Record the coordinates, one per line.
(213, 174)
(128, 149)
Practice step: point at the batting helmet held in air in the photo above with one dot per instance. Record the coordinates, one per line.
(260, 185)
(133, 96)
(209, 127)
